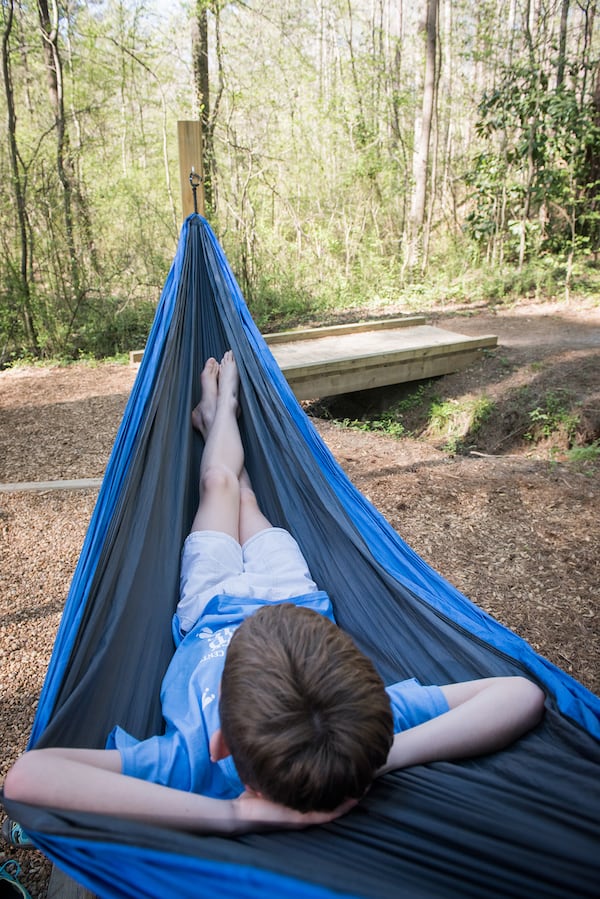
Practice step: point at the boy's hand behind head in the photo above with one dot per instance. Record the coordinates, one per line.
(303, 711)
(252, 812)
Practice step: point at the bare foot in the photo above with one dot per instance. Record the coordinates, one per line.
(229, 379)
(204, 413)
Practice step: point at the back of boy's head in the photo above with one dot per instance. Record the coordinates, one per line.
(304, 713)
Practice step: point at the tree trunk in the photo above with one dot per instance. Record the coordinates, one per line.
(592, 188)
(423, 138)
(529, 22)
(202, 85)
(18, 187)
(427, 224)
(589, 15)
(49, 29)
(562, 44)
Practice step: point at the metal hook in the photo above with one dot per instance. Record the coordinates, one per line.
(195, 181)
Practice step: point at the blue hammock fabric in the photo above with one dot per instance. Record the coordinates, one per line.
(518, 823)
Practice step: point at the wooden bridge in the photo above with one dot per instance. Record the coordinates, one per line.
(341, 359)
(321, 362)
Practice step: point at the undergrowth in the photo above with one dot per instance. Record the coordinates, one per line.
(553, 416)
(458, 422)
(589, 453)
(532, 417)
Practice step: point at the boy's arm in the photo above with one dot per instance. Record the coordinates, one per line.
(91, 780)
(485, 715)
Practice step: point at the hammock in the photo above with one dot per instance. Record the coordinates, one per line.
(519, 823)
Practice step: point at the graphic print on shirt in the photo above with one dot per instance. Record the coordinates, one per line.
(216, 641)
(207, 697)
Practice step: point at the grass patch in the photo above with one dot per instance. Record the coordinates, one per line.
(589, 453)
(384, 425)
(553, 417)
(58, 361)
(457, 422)
(452, 423)
(389, 417)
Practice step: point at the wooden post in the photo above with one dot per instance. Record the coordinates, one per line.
(189, 136)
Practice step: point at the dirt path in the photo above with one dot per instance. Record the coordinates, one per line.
(515, 528)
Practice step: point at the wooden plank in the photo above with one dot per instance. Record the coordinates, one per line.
(344, 358)
(351, 348)
(405, 321)
(331, 365)
(42, 486)
(61, 886)
(309, 385)
(189, 136)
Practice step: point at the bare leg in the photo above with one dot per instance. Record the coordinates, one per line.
(204, 413)
(252, 520)
(223, 457)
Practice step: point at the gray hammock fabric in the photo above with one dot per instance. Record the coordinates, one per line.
(520, 823)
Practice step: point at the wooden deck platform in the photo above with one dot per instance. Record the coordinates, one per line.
(346, 358)
(343, 358)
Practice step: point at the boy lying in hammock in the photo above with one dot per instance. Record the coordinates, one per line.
(273, 716)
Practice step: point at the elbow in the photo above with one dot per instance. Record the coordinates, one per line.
(14, 781)
(531, 700)
(21, 780)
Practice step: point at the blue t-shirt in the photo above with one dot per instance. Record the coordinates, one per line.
(190, 703)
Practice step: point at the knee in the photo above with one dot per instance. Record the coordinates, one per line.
(218, 479)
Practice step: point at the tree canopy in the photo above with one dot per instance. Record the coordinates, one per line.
(352, 149)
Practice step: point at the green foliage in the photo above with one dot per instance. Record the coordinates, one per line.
(554, 416)
(535, 183)
(313, 131)
(386, 425)
(412, 400)
(100, 222)
(111, 329)
(390, 420)
(458, 421)
(582, 454)
(455, 422)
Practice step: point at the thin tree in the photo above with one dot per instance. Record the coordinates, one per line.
(208, 115)
(423, 135)
(562, 44)
(54, 72)
(18, 185)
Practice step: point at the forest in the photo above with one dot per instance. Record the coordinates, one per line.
(356, 153)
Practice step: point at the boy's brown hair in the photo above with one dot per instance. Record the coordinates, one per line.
(304, 713)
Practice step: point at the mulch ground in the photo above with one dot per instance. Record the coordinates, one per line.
(514, 526)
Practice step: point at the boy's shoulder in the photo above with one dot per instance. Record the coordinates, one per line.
(414, 703)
